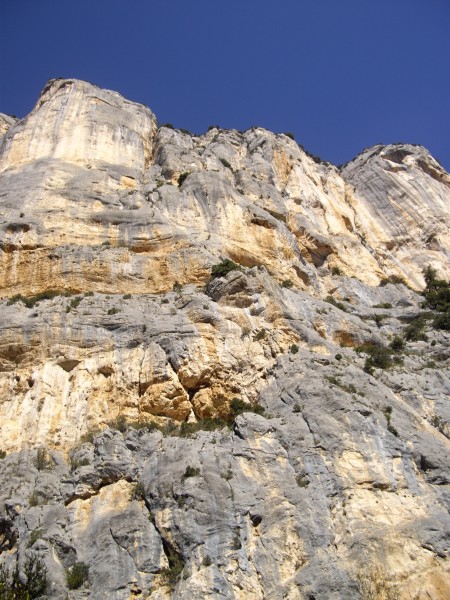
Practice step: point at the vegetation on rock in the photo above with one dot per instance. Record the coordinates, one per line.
(223, 268)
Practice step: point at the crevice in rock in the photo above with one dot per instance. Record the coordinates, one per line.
(8, 536)
(90, 493)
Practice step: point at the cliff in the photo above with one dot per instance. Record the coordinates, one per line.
(130, 375)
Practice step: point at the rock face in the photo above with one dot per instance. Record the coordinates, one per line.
(124, 367)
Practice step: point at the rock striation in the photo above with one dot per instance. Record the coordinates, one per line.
(130, 376)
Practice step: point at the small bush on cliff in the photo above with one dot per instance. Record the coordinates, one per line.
(77, 575)
(379, 319)
(120, 423)
(336, 303)
(260, 335)
(138, 491)
(171, 575)
(238, 406)
(387, 411)
(414, 332)
(76, 463)
(223, 268)
(441, 425)
(395, 279)
(43, 460)
(397, 344)
(379, 357)
(31, 301)
(191, 472)
(208, 424)
(437, 297)
(35, 536)
(13, 587)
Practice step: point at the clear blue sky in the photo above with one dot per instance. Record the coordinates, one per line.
(339, 74)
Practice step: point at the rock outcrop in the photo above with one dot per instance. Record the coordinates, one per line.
(128, 374)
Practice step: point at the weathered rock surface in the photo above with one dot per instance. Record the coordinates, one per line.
(340, 489)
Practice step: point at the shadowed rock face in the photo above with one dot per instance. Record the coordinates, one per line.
(340, 488)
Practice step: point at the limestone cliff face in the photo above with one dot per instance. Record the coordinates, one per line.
(341, 488)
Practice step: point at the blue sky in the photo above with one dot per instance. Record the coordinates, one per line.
(340, 74)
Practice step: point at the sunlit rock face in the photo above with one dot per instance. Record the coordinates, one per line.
(109, 229)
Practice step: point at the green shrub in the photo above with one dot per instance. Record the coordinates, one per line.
(228, 474)
(77, 575)
(168, 125)
(441, 425)
(75, 301)
(34, 500)
(43, 460)
(335, 303)
(207, 561)
(349, 388)
(379, 357)
(89, 436)
(208, 424)
(378, 319)
(127, 296)
(289, 134)
(338, 357)
(191, 472)
(223, 268)
(336, 271)
(238, 406)
(120, 423)
(14, 299)
(287, 283)
(236, 544)
(171, 575)
(383, 305)
(260, 335)
(442, 322)
(144, 424)
(2, 454)
(35, 536)
(387, 411)
(113, 311)
(437, 298)
(293, 349)
(138, 491)
(177, 287)
(302, 481)
(13, 587)
(76, 463)
(31, 301)
(414, 332)
(395, 279)
(397, 344)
